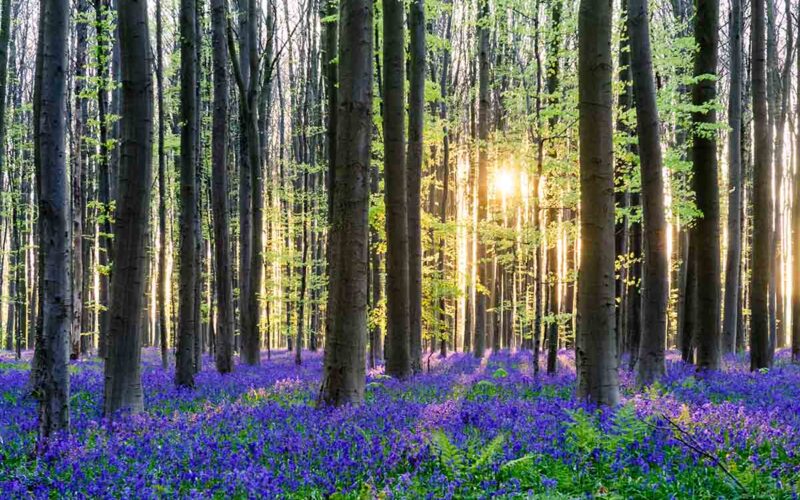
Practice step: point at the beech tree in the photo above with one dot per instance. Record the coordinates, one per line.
(596, 349)
(123, 383)
(344, 372)
(224, 283)
(49, 371)
(762, 205)
(655, 285)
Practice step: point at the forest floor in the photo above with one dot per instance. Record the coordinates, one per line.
(462, 429)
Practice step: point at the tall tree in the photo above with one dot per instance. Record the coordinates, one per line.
(796, 226)
(161, 287)
(553, 67)
(482, 178)
(398, 361)
(704, 160)
(735, 184)
(416, 116)
(49, 373)
(596, 355)
(762, 204)
(219, 191)
(187, 323)
(344, 371)
(103, 51)
(78, 156)
(123, 383)
(655, 279)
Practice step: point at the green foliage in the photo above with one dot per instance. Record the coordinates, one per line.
(470, 462)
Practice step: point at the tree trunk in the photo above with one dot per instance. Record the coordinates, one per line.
(187, 323)
(655, 279)
(596, 354)
(622, 197)
(219, 147)
(704, 160)
(483, 165)
(78, 156)
(398, 361)
(796, 226)
(344, 373)
(50, 376)
(123, 389)
(416, 116)
(762, 201)
(734, 254)
(104, 188)
(161, 287)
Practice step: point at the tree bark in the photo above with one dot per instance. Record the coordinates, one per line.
(734, 254)
(187, 322)
(123, 387)
(345, 357)
(398, 360)
(655, 279)
(596, 354)
(78, 156)
(416, 117)
(104, 185)
(483, 161)
(224, 282)
(161, 287)
(49, 372)
(704, 160)
(762, 201)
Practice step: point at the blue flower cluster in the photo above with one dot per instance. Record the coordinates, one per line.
(465, 428)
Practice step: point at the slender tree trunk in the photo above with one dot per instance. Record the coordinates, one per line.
(655, 282)
(161, 287)
(104, 188)
(734, 254)
(704, 159)
(222, 237)
(49, 372)
(398, 361)
(762, 201)
(596, 354)
(187, 323)
(123, 388)
(796, 225)
(77, 207)
(552, 241)
(483, 161)
(416, 115)
(245, 188)
(622, 195)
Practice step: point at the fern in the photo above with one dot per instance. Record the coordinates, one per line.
(450, 456)
(490, 451)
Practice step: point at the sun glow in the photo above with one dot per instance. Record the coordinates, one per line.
(504, 182)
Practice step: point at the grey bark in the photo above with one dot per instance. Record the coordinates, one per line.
(762, 201)
(596, 352)
(49, 371)
(123, 384)
(187, 322)
(345, 356)
(655, 276)
(219, 151)
(416, 116)
(704, 160)
(482, 178)
(734, 253)
(398, 361)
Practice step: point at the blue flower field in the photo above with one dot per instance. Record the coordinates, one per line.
(465, 428)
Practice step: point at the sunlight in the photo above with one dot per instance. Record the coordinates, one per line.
(504, 182)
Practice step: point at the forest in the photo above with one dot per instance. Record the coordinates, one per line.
(374, 249)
